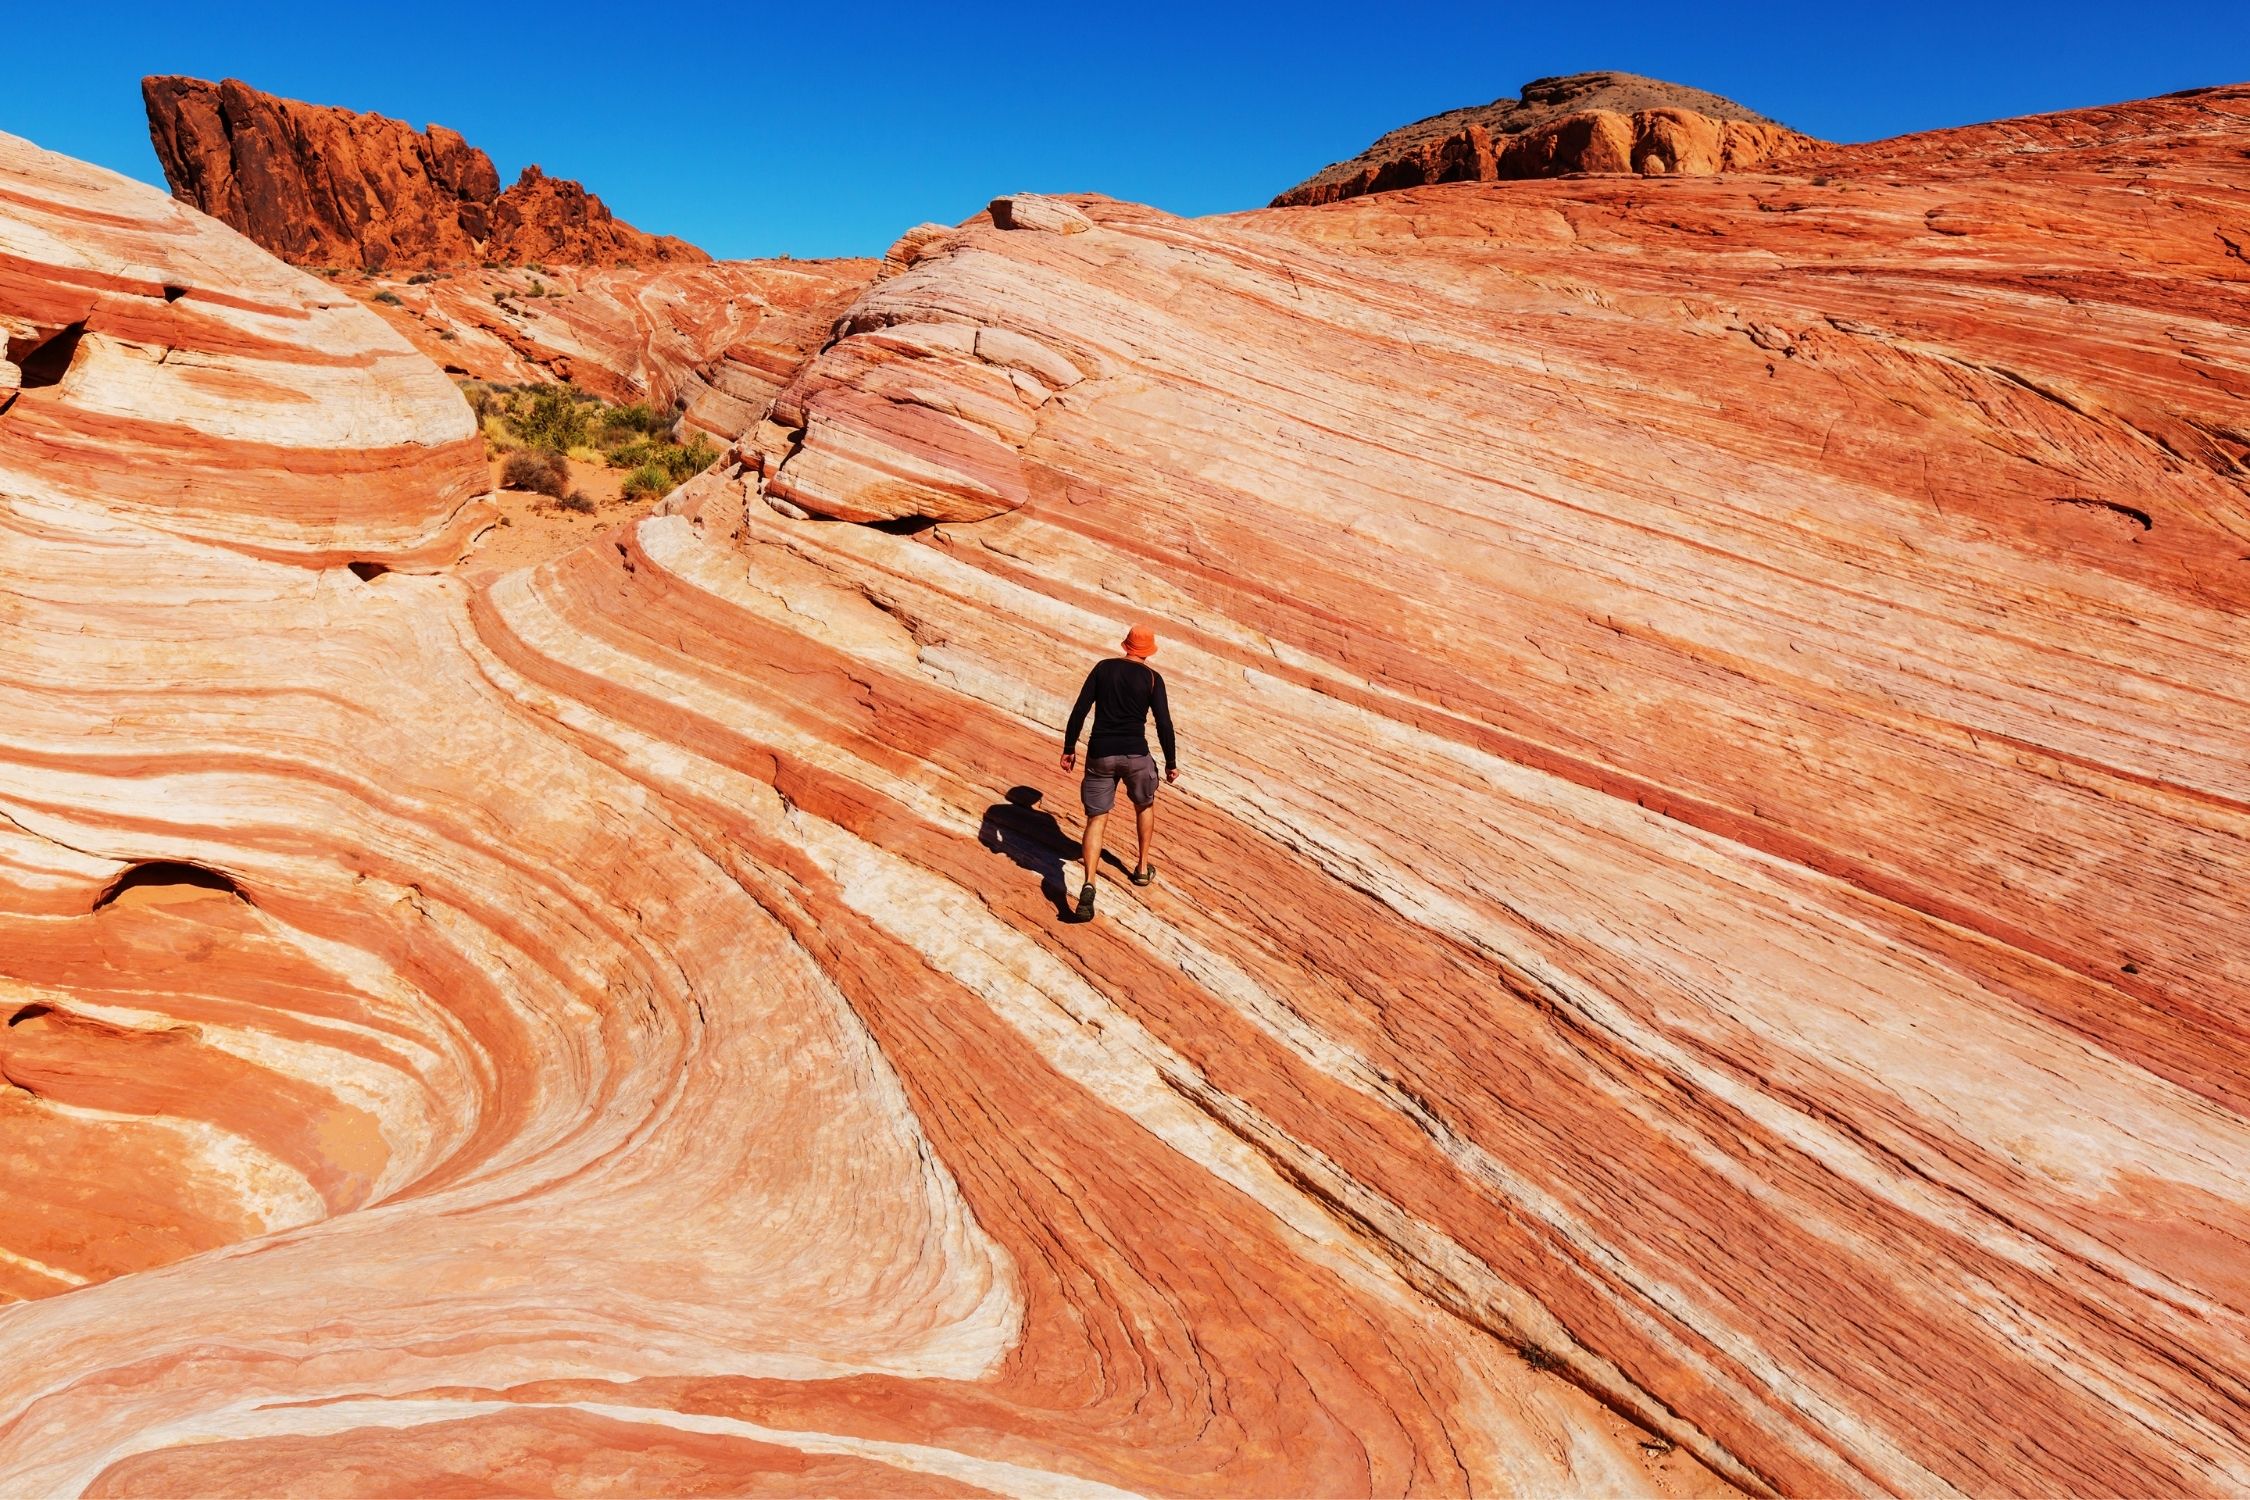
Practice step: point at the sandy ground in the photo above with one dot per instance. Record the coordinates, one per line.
(534, 528)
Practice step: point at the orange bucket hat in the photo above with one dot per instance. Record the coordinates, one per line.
(1140, 641)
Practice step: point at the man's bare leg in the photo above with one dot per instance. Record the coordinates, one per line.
(1144, 824)
(1093, 847)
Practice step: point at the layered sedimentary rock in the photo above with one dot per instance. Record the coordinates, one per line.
(323, 186)
(180, 376)
(715, 340)
(1586, 122)
(1699, 944)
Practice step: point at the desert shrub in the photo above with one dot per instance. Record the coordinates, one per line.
(562, 419)
(631, 455)
(538, 288)
(536, 469)
(390, 298)
(648, 479)
(578, 501)
(676, 461)
(698, 453)
(424, 278)
(622, 424)
(554, 418)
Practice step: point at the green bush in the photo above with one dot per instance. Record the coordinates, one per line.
(390, 298)
(554, 418)
(676, 461)
(622, 424)
(577, 501)
(647, 480)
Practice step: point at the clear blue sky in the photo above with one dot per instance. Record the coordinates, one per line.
(819, 129)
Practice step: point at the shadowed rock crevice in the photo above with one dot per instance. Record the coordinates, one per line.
(45, 358)
(164, 882)
(2135, 514)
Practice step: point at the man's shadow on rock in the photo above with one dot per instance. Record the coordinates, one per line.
(1030, 835)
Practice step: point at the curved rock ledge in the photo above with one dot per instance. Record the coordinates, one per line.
(180, 377)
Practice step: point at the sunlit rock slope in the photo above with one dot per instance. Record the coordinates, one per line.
(715, 339)
(1700, 944)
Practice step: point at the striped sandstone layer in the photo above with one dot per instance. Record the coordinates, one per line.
(175, 377)
(1707, 886)
(715, 339)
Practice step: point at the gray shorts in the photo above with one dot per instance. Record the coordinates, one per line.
(1098, 792)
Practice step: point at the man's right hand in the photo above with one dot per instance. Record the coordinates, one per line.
(1171, 773)
(1070, 760)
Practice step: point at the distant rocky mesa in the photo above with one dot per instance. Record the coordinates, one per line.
(323, 186)
(1585, 122)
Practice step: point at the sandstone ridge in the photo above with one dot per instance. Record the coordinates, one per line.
(1583, 122)
(1698, 950)
(324, 186)
(713, 340)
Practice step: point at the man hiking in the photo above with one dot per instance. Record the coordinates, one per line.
(1122, 691)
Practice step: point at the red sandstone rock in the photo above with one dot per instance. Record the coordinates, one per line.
(1707, 885)
(175, 375)
(543, 218)
(1587, 122)
(716, 339)
(322, 186)
(1035, 212)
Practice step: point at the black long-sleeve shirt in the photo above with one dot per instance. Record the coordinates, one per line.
(1122, 693)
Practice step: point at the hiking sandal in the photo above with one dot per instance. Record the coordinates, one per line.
(1147, 876)
(1086, 902)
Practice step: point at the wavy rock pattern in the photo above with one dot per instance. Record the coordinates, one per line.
(1708, 884)
(717, 339)
(178, 377)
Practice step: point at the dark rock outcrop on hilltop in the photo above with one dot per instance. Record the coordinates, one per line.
(323, 186)
(1586, 122)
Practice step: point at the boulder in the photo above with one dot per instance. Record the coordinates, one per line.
(1039, 214)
